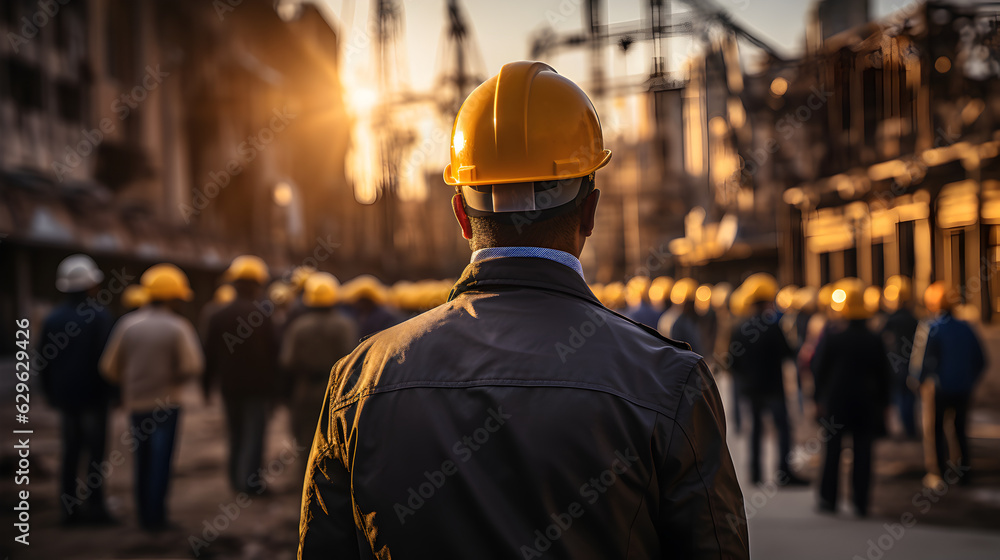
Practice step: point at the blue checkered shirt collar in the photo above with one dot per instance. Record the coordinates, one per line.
(560, 257)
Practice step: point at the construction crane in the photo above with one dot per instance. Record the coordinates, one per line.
(662, 24)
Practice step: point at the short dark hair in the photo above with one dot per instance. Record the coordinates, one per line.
(521, 231)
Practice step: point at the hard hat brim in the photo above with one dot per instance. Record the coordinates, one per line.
(450, 179)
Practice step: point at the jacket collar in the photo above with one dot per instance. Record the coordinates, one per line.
(527, 272)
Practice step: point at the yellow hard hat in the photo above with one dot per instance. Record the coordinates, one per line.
(224, 294)
(614, 295)
(848, 299)
(134, 296)
(659, 289)
(527, 124)
(165, 282)
(759, 287)
(279, 292)
(873, 297)
(897, 292)
(299, 276)
(637, 290)
(321, 290)
(940, 296)
(247, 267)
(683, 291)
(738, 302)
(703, 298)
(824, 295)
(785, 298)
(366, 286)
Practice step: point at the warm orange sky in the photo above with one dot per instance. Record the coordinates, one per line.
(503, 30)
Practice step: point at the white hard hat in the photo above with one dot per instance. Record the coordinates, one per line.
(77, 273)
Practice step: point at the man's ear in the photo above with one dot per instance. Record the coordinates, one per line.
(461, 216)
(589, 214)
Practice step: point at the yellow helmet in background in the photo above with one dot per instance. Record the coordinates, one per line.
(637, 290)
(614, 295)
(703, 298)
(224, 294)
(873, 299)
(683, 291)
(940, 296)
(248, 267)
(848, 299)
(898, 292)
(738, 302)
(280, 293)
(299, 276)
(659, 289)
(165, 282)
(366, 286)
(824, 297)
(320, 290)
(785, 298)
(134, 296)
(759, 287)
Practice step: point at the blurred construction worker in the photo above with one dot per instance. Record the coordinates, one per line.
(637, 304)
(852, 393)
(297, 282)
(708, 322)
(369, 304)
(241, 357)
(951, 364)
(72, 339)
(311, 346)
(223, 295)
(758, 353)
(522, 398)
(153, 351)
(899, 334)
(659, 293)
(681, 321)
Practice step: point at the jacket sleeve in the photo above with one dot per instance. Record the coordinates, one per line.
(110, 364)
(191, 361)
(701, 504)
(326, 525)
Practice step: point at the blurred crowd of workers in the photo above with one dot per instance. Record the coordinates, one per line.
(263, 342)
(864, 353)
(258, 344)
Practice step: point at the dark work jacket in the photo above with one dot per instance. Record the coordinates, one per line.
(758, 349)
(898, 335)
(954, 357)
(69, 348)
(852, 377)
(521, 418)
(241, 350)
